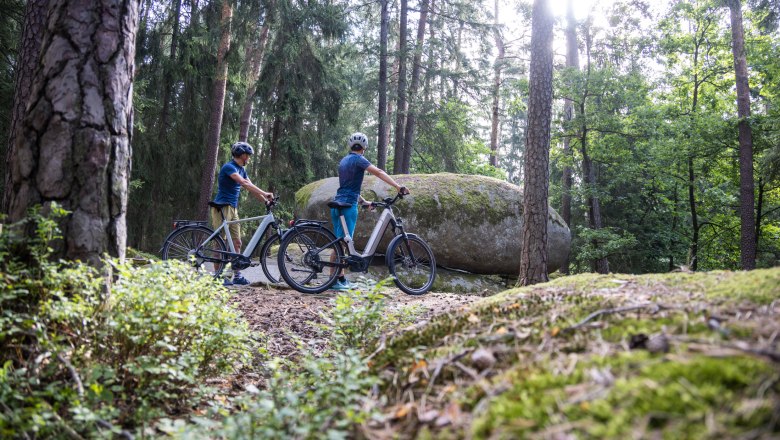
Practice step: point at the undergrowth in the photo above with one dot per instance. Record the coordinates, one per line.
(85, 353)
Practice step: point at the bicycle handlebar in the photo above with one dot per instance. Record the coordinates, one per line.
(269, 206)
(388, 201)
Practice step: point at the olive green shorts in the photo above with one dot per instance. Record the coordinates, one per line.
(231, 214)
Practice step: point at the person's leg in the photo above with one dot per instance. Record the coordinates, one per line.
(339, 232)
(235, 234)
(350, 218)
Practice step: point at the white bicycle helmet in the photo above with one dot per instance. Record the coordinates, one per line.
(357, 139)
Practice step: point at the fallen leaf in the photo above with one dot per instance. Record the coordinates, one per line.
(501, 331)
(473, 318)
(554, 332)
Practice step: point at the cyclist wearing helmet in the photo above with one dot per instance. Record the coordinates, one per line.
(352, 168)
(232, 176)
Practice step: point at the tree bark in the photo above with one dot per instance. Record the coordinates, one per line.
(410, 116)
(74, 144)
(747, 240)
(499, 64)
(573, 62)
(400, 115)
(217, 108)
(381, 147)
(533, 259)
(256, 56)
(27, 60)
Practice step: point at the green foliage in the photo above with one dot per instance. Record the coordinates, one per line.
(83, 353)
(601, 243)
(322, 394)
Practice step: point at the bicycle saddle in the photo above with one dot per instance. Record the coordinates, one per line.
(338, 205)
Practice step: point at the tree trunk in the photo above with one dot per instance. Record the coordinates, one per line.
(693, 251)
(573, 62)
(747, 242)
(167, 76)
(256, 61)
(600, 265)
(759, 210)
(26, 63)
(499, 64)
(74, 143)
(400, 116)
(217, 107)
(533, 259)
(381, 147)
(410, 116)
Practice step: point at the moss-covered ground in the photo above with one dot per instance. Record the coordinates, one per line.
(594, 356)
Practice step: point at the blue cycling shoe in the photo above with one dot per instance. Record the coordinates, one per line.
(240, 281)
(346, 285)
(227, 283)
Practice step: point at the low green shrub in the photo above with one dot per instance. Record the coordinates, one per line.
(84, 354)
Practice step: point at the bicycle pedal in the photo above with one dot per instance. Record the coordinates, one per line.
(254, 264)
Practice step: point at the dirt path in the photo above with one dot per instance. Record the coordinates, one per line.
(284, 315)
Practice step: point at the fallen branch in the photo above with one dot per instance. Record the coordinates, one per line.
(654, 306)
(772, 355)
(73, 373)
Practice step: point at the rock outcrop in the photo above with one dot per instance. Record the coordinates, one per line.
(472, 223)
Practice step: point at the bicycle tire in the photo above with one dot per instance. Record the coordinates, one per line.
(300, 259)
(268, 258)
(183, 242)
(414, 276)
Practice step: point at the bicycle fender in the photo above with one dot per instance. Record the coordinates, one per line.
(392, 242)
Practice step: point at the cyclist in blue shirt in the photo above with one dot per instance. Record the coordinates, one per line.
(352, 168)
(232, 177)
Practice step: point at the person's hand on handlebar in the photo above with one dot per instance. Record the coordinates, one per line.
(367, 205)
(403, 191)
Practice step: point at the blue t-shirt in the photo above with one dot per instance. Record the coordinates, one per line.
(352, 168)
(228, 189)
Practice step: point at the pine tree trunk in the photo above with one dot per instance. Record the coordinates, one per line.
(167, 76)
(217, 107)
(74, 142)
(410, 116)
(27, 60)
(573, 62)
(533, 258)
(400, 115)
(747, 242)
(381, 147)
(499, 64)
(600, 265)
(256, 60)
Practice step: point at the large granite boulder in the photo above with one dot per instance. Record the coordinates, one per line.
(472, 223)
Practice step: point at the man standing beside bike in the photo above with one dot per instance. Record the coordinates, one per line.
(352, 168)
(232, 177)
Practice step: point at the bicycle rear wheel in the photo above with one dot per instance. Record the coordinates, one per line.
(182, 244)
(412, 265)
(307, 259)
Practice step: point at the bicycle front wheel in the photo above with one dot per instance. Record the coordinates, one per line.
(269, 259)
(184, 242)
(308, 258)
(412, 265)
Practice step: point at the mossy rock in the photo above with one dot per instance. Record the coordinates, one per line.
(451, 281)
(473, 223)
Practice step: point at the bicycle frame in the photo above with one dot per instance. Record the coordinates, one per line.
(385, 219)
(268, 219)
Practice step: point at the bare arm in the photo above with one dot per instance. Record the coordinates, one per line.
(380, 173)
(258, 193)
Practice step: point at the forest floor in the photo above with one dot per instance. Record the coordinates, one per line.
(286, 317)
(599, 356)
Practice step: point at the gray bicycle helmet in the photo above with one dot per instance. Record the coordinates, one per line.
(240, 148)
(357, 139)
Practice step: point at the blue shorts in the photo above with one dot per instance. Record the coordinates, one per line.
(350, 215)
